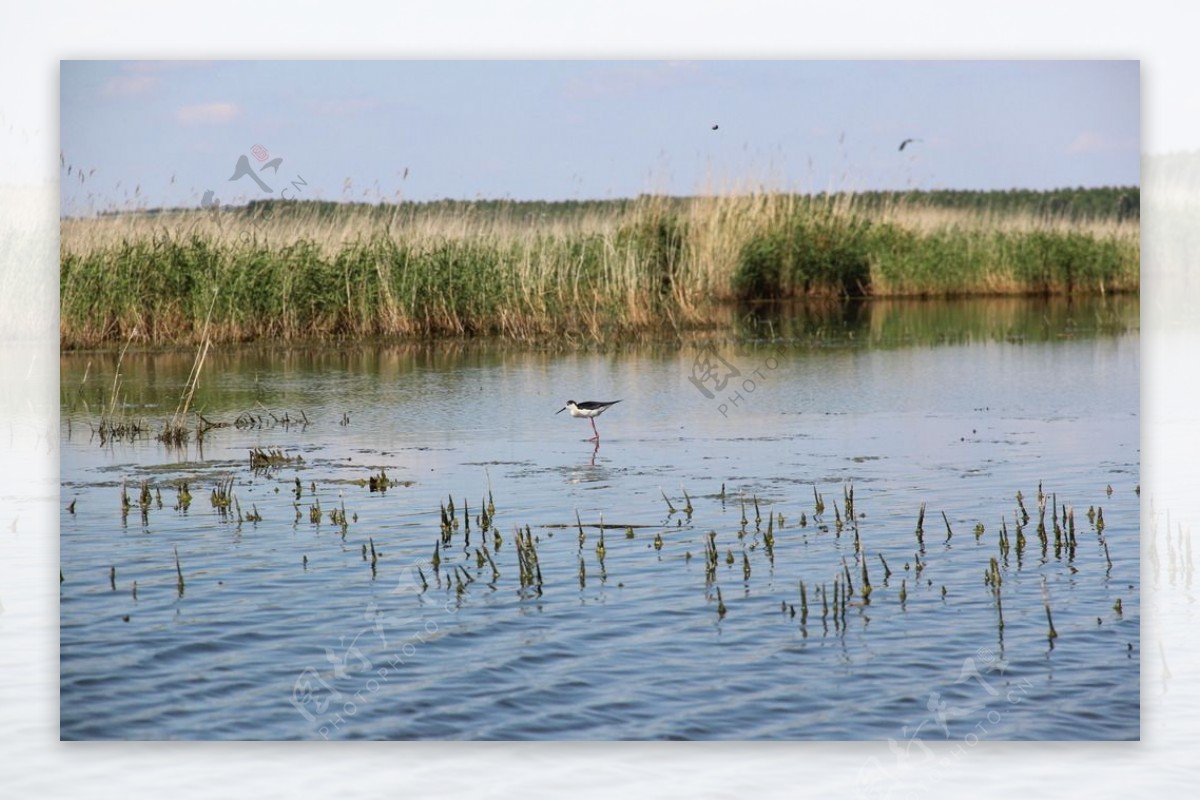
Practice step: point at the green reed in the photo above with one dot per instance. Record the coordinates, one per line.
(595, 274)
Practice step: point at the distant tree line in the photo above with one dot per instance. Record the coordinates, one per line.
(1094, 203)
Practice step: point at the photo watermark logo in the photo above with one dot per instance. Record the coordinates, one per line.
(913, 757)
(329, 701)
(713, 376)
(243, 169)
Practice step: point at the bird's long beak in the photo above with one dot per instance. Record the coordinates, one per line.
(563, 409)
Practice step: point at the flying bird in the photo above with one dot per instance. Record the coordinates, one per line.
(715, 126)
(906, 142)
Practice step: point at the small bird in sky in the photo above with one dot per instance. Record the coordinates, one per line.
(906, 142)
(715, 126)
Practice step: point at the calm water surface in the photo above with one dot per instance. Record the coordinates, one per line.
(287, 627)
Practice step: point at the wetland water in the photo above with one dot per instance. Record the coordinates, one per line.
(300, 626)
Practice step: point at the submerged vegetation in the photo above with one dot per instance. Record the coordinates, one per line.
(469, 549)
(583, 272)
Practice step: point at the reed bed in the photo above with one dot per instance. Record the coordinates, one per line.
(588, 272)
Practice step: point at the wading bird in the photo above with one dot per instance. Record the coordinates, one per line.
(590, 410)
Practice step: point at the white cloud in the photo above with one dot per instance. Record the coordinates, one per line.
(206, 113)
(138, 77)
(1093, 142)
(621, 79)
(163, 66)
(339, 107)
(127, 85)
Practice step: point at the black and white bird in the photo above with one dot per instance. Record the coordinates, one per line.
(590, 410)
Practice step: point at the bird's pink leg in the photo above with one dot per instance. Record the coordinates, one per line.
(597, 433)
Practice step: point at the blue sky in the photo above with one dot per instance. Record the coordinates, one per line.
(160, 133)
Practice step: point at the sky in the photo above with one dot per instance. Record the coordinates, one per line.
(148, 134)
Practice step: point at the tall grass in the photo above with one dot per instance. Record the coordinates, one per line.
(528, 271)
